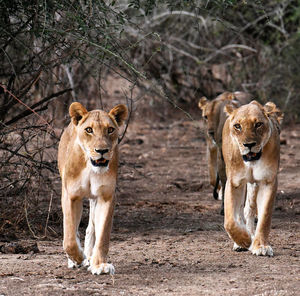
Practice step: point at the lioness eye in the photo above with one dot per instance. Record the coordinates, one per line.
(205, 117)
(237, 126)
(89, 130)
(258, 124)
(110, 130)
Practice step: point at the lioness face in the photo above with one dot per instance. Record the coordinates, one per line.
(211, 112)
(97, 133)
(250, 128)
(208, 115)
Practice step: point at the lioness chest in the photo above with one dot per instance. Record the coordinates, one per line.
(255, 172)
(92, 185)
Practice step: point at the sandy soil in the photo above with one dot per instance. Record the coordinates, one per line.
(168, 237)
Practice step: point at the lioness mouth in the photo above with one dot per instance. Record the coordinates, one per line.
(101, 162)
(251, 156)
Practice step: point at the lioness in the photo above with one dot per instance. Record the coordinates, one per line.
(214, 116)
(251, 148)
(88, 165)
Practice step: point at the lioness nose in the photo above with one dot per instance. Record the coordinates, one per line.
(249, 145)
(211, 133)
(101, 151)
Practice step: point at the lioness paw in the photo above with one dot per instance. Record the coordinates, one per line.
(238, 248)
(72, 264)
(263, 251)
(103, 268)
(86, 262)
(220, 194)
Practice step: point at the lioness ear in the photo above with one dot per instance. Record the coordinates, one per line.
(229, 108)
(255, 103)
(77, 112)
(271, 109)
(202, 103)
(230, 96)
(119, 113)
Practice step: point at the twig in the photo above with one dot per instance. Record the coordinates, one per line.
(129, 117)
(192, 45)
(7, 91)
(153, 23)
(31, 108)
(161, 92)
(172, 47)
(229, 46)
(32, 83)
(71, 80)
(111, 53)
(26, 216)
(14, 152)
(44, 163)
(287, 100)
(49, 209)
(52, 229)
(113, 279)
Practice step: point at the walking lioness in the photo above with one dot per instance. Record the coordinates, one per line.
(251, 149)
(215, 117)
(88, 165)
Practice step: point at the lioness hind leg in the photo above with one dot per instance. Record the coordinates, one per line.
(72, 210)
(103, 221)
(265, 200)
(223, 178)
(90, 234)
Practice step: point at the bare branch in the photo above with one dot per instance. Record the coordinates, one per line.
(129, 115)
(31, 110)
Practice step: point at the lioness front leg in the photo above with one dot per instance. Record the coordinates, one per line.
(103, 215)
(265, 200)
(72, 210)
(234, 224)
(212, 165)
(250, 209)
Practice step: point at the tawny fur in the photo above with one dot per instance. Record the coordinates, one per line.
(259, 126)
(91, 136)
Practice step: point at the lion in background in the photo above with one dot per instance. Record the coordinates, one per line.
(215, 117)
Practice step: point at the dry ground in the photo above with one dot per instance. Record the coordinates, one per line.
(168, 236)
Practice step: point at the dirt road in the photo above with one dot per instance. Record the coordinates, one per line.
(168, 237)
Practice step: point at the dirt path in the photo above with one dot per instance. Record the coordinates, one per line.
(168, 236)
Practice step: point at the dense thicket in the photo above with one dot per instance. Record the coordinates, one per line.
(187, 48)
(173, 52)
